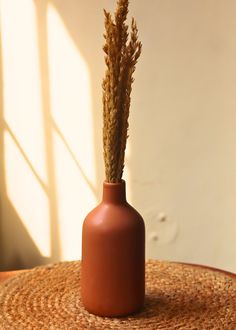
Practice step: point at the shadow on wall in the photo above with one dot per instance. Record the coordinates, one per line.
(17, 249)
(81, 19)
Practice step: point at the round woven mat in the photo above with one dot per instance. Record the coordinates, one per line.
(177, 297)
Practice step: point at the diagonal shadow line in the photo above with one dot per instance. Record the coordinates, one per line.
(68, 148)
(8, 129)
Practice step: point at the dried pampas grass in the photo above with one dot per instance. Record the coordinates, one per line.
(121, 56)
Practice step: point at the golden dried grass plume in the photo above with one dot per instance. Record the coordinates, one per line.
(122, 50)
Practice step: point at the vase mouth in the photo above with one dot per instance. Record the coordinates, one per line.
(114, 192)
(111, 184)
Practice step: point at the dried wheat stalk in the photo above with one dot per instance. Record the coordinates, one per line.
(121, 56)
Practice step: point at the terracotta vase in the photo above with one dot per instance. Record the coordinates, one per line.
(113, 256)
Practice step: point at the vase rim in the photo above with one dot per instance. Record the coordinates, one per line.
(107, 183)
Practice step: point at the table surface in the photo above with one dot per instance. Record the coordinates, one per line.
(9, 274)
(6, 275)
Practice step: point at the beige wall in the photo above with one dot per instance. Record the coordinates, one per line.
(181, 159)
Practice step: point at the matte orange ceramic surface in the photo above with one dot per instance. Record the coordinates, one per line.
(113, 256)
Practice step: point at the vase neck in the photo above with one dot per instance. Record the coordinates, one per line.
(114, 193)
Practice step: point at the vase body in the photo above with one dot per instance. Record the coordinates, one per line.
(113, 256)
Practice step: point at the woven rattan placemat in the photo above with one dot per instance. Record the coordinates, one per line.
(177, 297)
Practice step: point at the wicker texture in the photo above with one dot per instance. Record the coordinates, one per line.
(177, 297)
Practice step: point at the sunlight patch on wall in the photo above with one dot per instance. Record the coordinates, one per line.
(70, 96)
(27, 196)
(25, 147)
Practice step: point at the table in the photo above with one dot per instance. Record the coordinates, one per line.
(9, 274)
